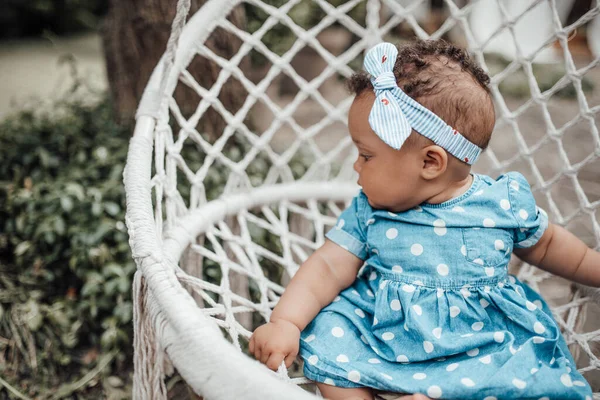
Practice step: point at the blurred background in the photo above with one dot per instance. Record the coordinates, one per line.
(71, 75)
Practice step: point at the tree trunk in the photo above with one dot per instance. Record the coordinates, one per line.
(135, 33)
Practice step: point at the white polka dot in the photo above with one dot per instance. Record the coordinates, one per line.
(370, 221)
(489, 271)
(312, 360)
(519, 383)
(375, 350)
(428, 346)
(374, 361)
(341, 224)
(375, 321)
(391, 233)
(530, 306)
(370, 293)
(544, 398)
(387, 336)
(458, 209)
(408, 288)
(442, 269)
(499, 337)
(514, 185)
(402, 358)
(416, 249)
(499, 244)
(566, 380)
(418, 283)
(417, 308)
(452, 367)
(440, 227)
(473, 352)
(486, 289)
(359, 312)
(391, 214)
(477, 326)
(538, 303)
(512, 350)
(486, 359)
(489, 223)
(484, 303)
(329, 381)
(454, 311)
(386, 376)
(533, 370)
(419, 376)
(383, 284)
(373, 276)
(491, 398)
(342, 358)
(354, 376)
(337, 298)
(397, 268)
(375, 251)
(523, 214)
(395, 305)
(463, 250)
(538, 327)
(478, 261)
(478, 193)
(465, 291)
(337, 332)
(552, 361)
(435, 392)
(364, 339)
(310, 338)
(418, 209)
(440, 292)
(579, 383)
(505, 204)
(354, 292)
(437, 332)
(467, 382)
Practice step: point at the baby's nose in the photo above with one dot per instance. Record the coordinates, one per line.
(357, 165)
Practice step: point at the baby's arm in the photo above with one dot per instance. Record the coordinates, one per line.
(560, 252)
(328, 271)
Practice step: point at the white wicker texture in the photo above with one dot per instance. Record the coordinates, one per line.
(205, 274)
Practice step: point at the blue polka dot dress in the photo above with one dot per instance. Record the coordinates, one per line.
(434, 310)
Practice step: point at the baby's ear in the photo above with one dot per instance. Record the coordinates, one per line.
(435, 162)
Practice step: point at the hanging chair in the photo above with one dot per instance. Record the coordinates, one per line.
(218, 224)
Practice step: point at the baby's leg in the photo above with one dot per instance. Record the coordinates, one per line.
(338, 393)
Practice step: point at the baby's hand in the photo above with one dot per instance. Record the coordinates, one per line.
(274, 342)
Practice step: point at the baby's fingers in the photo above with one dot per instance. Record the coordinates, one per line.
(265, 354)
(290, 359)
(274, 361)
(251, 345)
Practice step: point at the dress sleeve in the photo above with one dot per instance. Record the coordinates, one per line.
(532, 221)
(349, 232)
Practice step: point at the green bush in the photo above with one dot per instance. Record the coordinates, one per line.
(65, 264)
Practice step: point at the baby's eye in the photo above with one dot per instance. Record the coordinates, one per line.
(366, 157)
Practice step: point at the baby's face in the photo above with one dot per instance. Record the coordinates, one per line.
(389, 178)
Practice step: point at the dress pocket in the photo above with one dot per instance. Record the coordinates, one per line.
(488, 247)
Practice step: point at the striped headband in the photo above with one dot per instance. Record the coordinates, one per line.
(394, 113)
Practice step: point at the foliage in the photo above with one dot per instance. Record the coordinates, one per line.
(20, 18)
(65, 266)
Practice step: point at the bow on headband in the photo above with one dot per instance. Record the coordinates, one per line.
(394, 113)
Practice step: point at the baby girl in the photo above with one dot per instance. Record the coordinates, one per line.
(433, 312)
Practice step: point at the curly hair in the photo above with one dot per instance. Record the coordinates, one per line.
(446, 80)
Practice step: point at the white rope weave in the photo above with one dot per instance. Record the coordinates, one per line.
(250, 236)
